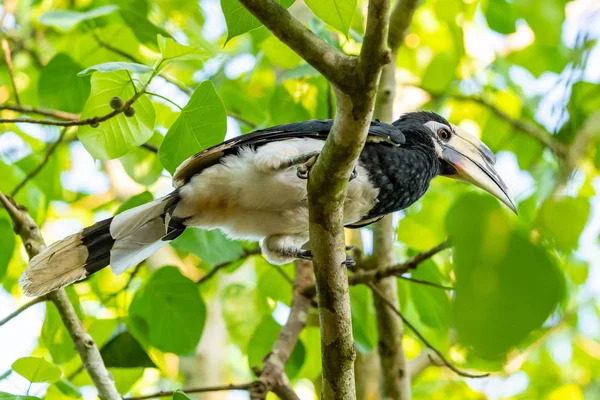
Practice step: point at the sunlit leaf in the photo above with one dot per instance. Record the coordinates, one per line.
(117, 66)
(561, 221)
(116, 136)
(239, 20)
(337, 13)
(135, 14)
(7, 244)
(179, 395)
(137, 200)
(171, 50)
(8, 396)
(68, 389)
(213, 247)
(279, 54)
(36, 369)
(201, 124)
(66, 20)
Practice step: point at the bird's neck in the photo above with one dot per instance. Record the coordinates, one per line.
(402, 174)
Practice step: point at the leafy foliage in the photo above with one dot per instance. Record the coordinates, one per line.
(524, 287)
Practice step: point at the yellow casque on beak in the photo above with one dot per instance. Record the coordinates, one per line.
(474, 162)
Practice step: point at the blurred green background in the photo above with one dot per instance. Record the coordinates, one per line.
(523, 75)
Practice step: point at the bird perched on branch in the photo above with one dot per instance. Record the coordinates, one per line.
(254, 187)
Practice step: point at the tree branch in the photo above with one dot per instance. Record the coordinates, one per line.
(272, 378)
(9, 66)
(67, 116)
(87, 121)
(39, 168)
(394, 367)
(24, 307)
(169, 393)
(577, 150)
(26, 227)
(355, 86)
(334, 65)
(422, 338)
(400, 20)
(374, 275)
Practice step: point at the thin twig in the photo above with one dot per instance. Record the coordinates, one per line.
(87, 121)
(150, 147)
(422, 338)
(67, 116)
(423, 282)
(34, 243)
(39, 168)
(9, 65)
(272, 378)
(24, 307)
(168, 393)
(528, 128)
(217, 268)
(374, 275)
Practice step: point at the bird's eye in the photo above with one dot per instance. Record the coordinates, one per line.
(444, 134)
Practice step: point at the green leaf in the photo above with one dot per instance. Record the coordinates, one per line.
(562, 221)
(118, 135)
(143, 166)
(135, 14)
(262, 340)
(336, 13)
(201, 124)
(500, 15)
(440, 73)
(7, 244)
(137, 200)
(68, 389)
(54, 334)
(242, 311)
(506, 287)
(213, 247)
(8, 396)
(117, 66)
(60, 76)
(364, 326)
(432, 304)
(168, 312)
(36, 369)
(171, 50)
(66, 20)
(123, 351)
(239, 20)
(179, 395)
(279, 54)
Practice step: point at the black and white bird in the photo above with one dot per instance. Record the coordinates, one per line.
(249, 187)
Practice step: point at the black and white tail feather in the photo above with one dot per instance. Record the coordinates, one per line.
(122, 241)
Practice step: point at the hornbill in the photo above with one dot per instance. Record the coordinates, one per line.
(250, 187)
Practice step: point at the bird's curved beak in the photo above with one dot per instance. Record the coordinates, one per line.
(474, 162)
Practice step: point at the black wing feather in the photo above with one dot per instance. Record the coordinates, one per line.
(313, 129)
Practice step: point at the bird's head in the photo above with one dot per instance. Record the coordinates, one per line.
(461, 155)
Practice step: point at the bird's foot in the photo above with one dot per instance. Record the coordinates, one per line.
(303, 169)
(353, 175)
(307, 255)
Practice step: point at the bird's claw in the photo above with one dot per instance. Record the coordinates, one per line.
(353, 175)
(303, 169)
(349, 262)
(305, 255)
